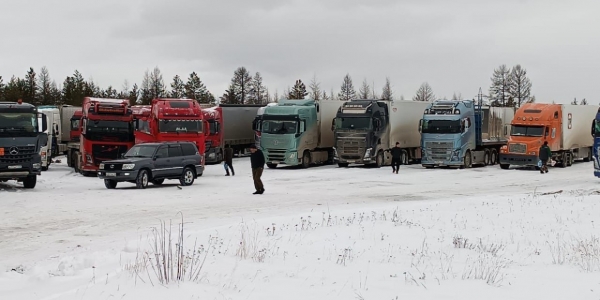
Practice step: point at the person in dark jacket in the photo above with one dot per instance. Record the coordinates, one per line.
(257, 162)
(228, 160)
(545, 155)
(396, 154)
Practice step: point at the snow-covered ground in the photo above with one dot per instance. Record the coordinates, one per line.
(320, 233)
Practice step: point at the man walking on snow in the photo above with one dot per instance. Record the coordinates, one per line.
(257, 162)
(228, 160)
(545, 155)
(396, 154)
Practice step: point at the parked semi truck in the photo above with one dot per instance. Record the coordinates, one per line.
(365, 129)
(463, 133)
(107, 132)
(168, 120)
(59, 132)
(298, 132)
(213, 119)
(21, 138)
(564, 126)
(257, 123)
(596, 148)
(74, 135)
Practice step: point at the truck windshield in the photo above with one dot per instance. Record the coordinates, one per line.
(353, 123)
(597, 128)
(279, 127)
(519, 130)
(141, 151)
(180, 126)
(213, 127)
(99, 130)
(18, 122)
(441, 126)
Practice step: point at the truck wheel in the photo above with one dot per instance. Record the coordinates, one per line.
(29, 181)
(187, 178)
(306, 159)
(141, 181)
(504, 166)
(379, 159)
(493, 157)
(271, 166)
(110, 184)
(487, 158)
(158, 181)
(589, 157)
(404, 157)
(570, 159)
(44, 168)
(563, 160)
(343, 165)
(467, 160)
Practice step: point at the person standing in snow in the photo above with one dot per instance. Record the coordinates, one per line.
(396, 155)
(545, 155)
(228, 160)
(257, 162)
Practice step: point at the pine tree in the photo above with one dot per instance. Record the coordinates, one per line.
(157, 84)
(347, 91)
(195, 89)
(424, 93)
(298, 90)
(315, 89)
(324, 96)
(229, 97)
(30, 92)
(501, 86)
(386, 93)
(110, 93)
(583, 102)
(2, 87)
(14, 89)
(520, 88)
(177, 87)
(364, 92)
(44, 88)
(134, 94)
(91, 89)
(242, 85)
(574, 102)
(258, 92)
(145, 90)
(56, 97)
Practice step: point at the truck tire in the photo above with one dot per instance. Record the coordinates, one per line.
(589, 157)
(404, 157)
(271, 166)
(379, 159)
(141, 182)
(343, 165)
(45, 168)
(30, 181)
(467, 160)
(306, 159)
(487, 157)
(504, 166)
(563, 160)
(187, 177)
(494, 157)
(570, 159)
(110, 184)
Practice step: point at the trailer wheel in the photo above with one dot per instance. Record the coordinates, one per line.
(343, 165)
(141, 181)
(306, 159)
(404, 157)
(30, 181)
(487, 158)
(271, 166)
(110, 184)
(570, 159)
(494, 157)
(467, 160)
(563, 160)
(589, 157)
(379, 159)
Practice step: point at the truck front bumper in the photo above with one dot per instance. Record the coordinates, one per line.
(127, 175)
(282, 157)
(20, 171)
(518, 159)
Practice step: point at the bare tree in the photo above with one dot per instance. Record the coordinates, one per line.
(574, 102)
(44, 87)
(424, 93)
(364, 92)
(583, 102)
(386, 93)
(456, 96)
(520, 88)
(347, 91)
(501, 86)
(157, 84)
(315, 88)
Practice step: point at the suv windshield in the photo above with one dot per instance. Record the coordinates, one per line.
(11, 122)
(279, 127)
(519, 130)
(180, 126)
(441, 126)
(141, 151)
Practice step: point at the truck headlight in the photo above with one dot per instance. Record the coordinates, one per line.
(101, 167)
(88, 158)
(368, 152)
(128, 166)
(36, 166)
(292, 155)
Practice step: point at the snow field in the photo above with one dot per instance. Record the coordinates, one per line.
(509, 241)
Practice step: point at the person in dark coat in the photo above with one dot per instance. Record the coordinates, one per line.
(257, 162)
(396, 155)
(228, 160)
(545, 155)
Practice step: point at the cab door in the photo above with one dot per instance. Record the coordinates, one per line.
(175, 161)
(161, 163)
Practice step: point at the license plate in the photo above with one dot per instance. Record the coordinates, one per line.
(15, 167)
(111, 174)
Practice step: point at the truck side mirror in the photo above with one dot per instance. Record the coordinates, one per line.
(420, 125)
(44, 123)
(593, 127)
(333, 124)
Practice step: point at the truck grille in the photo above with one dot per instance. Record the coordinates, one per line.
(25, 155)
(439, 150)
(102, 153)
(351, 148)
(517, 148)
(276, 155)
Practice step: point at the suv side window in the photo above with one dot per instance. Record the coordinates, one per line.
(189, 149)
(174, 151)
(162, 152)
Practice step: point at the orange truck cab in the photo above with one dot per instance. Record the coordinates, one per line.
(564, 126)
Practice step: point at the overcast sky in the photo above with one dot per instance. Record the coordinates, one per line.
(452, 44)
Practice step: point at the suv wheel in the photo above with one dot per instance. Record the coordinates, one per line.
(187, 178)
(110, 184)
(142, 179)
(29, 181)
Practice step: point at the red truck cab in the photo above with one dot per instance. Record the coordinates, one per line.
(213, 118)
(168, 120)
(106, 131)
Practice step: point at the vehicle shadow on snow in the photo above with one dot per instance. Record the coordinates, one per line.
(10, 187)
(131, 186)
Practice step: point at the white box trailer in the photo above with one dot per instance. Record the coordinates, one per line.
(237, 125)
(404, 123)
(575, 127)
(326, 112)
